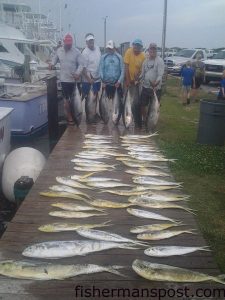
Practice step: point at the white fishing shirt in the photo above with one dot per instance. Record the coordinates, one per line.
(91, 62)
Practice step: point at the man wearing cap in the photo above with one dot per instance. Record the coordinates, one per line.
(133, 59)
(91, 75)
(111, 70)
(71, 67)
(151, 78)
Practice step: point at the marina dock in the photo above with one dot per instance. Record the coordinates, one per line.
(23, 231)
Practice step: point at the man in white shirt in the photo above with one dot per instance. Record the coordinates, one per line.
(91, 75)
(71, 67)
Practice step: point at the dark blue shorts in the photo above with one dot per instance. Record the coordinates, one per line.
(86, 86)
(68, 89)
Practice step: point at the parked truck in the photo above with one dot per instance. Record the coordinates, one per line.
(176, 62)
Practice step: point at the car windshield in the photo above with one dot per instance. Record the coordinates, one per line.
(220, 55)
(185, 53)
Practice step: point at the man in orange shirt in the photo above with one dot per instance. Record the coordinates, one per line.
(133, 60)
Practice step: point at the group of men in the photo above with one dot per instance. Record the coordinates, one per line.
(110, 71)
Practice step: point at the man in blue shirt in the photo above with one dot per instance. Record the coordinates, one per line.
(111, 70)
(187, 75)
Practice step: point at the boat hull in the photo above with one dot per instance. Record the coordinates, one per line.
(29, 116)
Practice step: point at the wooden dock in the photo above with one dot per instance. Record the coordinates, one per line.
(22, 231)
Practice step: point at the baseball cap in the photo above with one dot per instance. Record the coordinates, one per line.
(90, 37)
(110, 44)
(138, 42)
(152, 45)
(68, 39)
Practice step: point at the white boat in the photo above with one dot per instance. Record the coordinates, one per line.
(14, 46)
(33, 25)
(29, 102)
(5, 133)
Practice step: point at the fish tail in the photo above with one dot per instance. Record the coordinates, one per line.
(204, 248)
(115, 166)
(113, 270)
(219, 279)
(172, 159)
(180, 223)
(190, 231)
(153, 134)
(175, 221)
(190, 210)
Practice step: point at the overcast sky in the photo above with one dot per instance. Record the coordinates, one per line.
(190, 23)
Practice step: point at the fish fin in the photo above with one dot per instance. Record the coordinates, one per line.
(113, 270)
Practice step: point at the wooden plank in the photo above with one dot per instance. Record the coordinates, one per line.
(33, 212)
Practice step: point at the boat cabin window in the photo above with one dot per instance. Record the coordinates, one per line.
(2, 49)
(21, 47)
(25, 49)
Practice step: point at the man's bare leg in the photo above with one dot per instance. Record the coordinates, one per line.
(67, 111)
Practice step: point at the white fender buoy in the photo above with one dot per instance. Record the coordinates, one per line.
(24, 161)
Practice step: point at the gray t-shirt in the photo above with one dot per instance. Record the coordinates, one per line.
(152, 70)
(71, 63)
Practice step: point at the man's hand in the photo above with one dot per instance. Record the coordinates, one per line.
(117, 84)
(127, 83)
(76, 76)
(91, 81)
(154, 85)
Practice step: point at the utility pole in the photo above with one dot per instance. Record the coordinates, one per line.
(60, 20)
(164, 29)
(105, 31)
